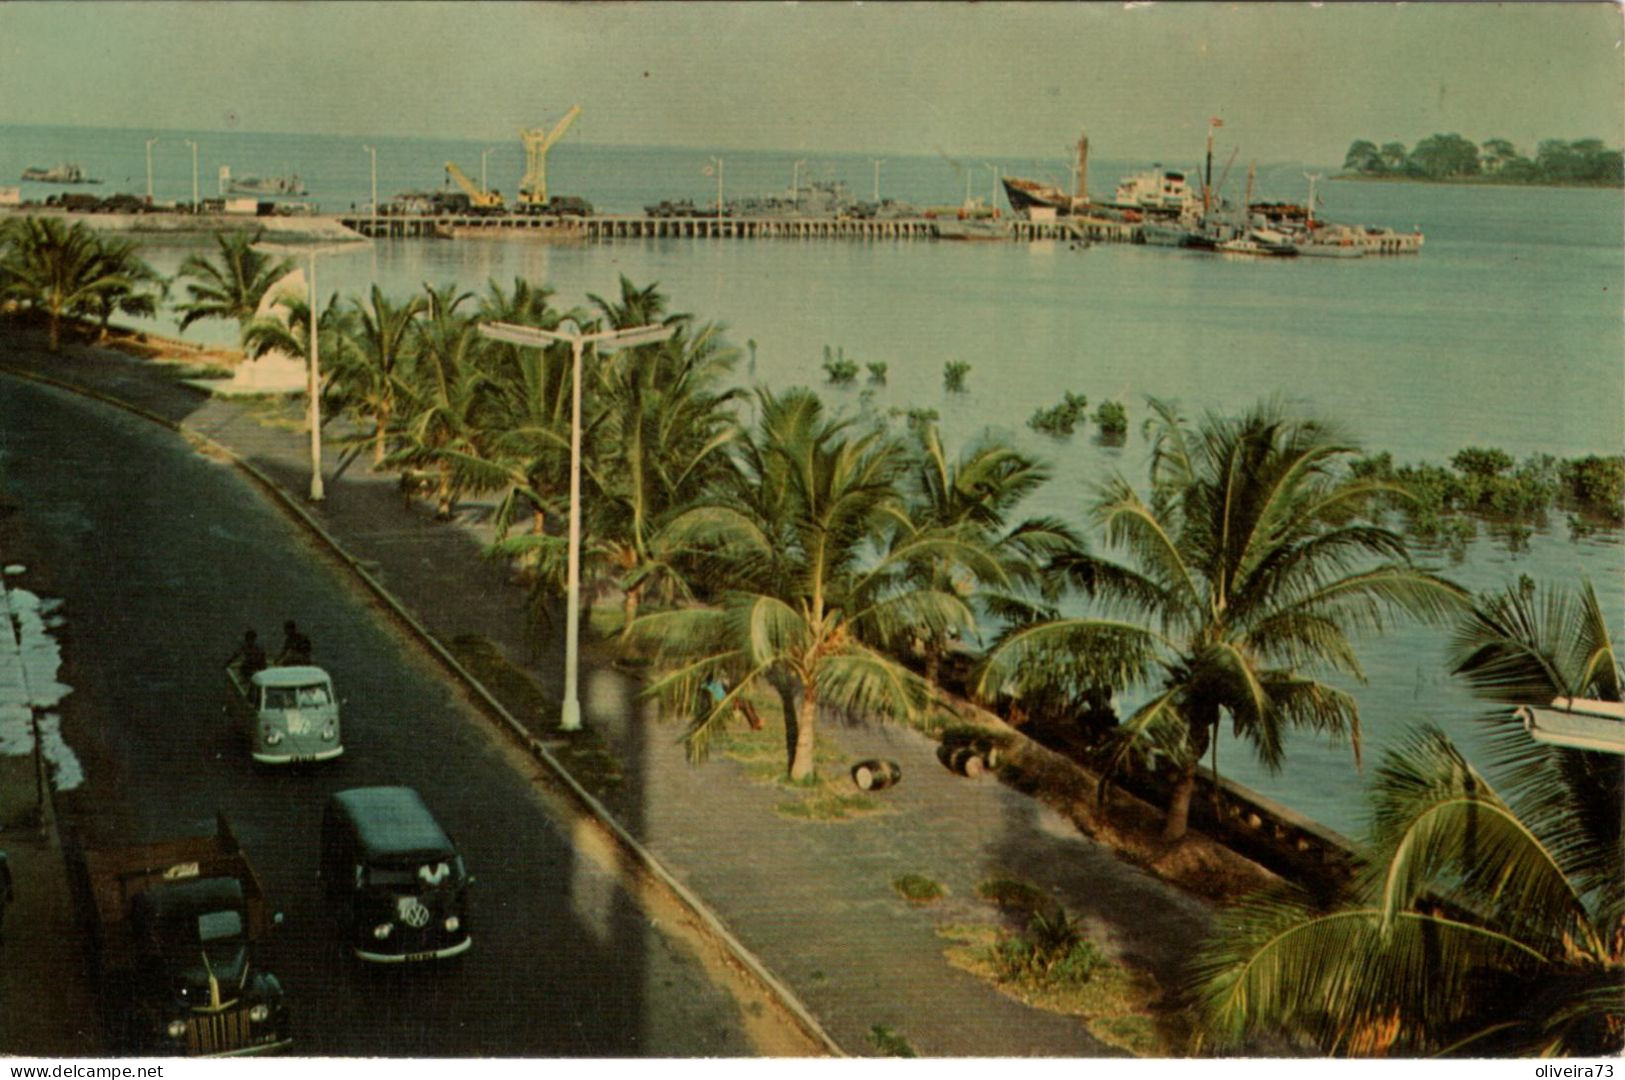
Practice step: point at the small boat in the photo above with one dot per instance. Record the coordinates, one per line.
(61, 174)
(972, 228)
(1258, 242)
(266, 185)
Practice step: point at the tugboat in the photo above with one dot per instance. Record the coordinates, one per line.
(289, 185)
(60, 174)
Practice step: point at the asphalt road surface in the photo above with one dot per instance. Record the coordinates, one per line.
(163, 558)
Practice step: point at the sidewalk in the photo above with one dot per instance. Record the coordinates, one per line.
(813, 899)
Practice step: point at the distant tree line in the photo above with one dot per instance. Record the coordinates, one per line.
(1451, 157)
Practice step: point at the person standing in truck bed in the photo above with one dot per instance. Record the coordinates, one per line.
(295, 646)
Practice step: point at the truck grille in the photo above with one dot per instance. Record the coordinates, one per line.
(217, 1033)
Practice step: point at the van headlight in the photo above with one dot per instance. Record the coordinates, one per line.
(176, 1029)
(452, 923)
(329, 734)
(383, 930)
(259, 1013)
(272, 738)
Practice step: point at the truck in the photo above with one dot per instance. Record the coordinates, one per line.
(174, 927)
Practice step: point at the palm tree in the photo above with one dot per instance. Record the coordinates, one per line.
(1480, 925)
(289, 332)
(447, 393)
(1247, 569)
(974, 495)
(370, 376)
(806, 586)
(233, 287)
(660, 437)
(59, 270)
(120, 257)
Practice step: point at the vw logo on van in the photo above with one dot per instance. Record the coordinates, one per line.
(412, 912)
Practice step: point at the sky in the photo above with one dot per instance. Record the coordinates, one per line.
(1292, 82)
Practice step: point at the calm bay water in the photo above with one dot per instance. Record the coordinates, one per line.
(1506, 331)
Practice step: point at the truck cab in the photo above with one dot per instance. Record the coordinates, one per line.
(288, 715)
(174, 928)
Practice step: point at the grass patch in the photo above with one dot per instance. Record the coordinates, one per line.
(585, 755)
(1116, 1005)
(916, 888)
(889, 1042)
(825, 796)
(1011, 894)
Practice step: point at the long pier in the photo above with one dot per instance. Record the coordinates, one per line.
(613, 227)
(638, 227)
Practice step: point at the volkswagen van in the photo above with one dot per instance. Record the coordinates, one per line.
(396, 878)
(288, 714)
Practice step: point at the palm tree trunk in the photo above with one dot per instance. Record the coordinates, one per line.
(801, 754)
(1179, 805)
(56, 330)
(629, 604)
(380, 437)
(1203, 720)
(443, 498)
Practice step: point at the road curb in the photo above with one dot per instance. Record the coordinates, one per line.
(708, 918)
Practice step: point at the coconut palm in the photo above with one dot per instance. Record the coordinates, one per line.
(58, 270)
(287, 330)
(1480, 925)
(139, 291)
(1247, 571)
(441, 422)
(233, 287)
(974, 495)
(805, 585)
(373, 367)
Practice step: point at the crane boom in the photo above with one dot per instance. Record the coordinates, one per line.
(533, 187)
(486, 200)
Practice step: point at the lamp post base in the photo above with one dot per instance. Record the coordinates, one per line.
(570, 716)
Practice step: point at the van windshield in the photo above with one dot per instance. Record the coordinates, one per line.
(416, 874)
(297, 697)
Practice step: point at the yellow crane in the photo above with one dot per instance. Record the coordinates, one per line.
(482, 200)
(533, 188)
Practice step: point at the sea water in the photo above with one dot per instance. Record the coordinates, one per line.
(1505, 331)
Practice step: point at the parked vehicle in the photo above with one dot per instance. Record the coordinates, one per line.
(174, 927)
(394, 876)
(289, 715)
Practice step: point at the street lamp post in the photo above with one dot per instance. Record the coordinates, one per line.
(993, 202)
(374, 154)
(795, 183)
(313, 370)
(878, 163)
(532, 337)
(149, 168)
(193, 144)
(718, 163)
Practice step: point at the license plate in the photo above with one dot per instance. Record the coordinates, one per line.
(300, 758)
(412, 957)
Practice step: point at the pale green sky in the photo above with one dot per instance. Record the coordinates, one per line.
(1292, 82)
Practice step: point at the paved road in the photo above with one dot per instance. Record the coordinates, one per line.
(163, 557)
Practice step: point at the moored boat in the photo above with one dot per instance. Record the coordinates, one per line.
(970, 228)
(68, 173)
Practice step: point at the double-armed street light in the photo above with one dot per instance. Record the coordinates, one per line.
(716, 162)
(485, 187)
(795, 182)
(535, 338)
(374, 154)
(150, 142)
(193, 144)
(313, 374)
(878, 162)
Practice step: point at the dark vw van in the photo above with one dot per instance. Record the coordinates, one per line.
(395, 875)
